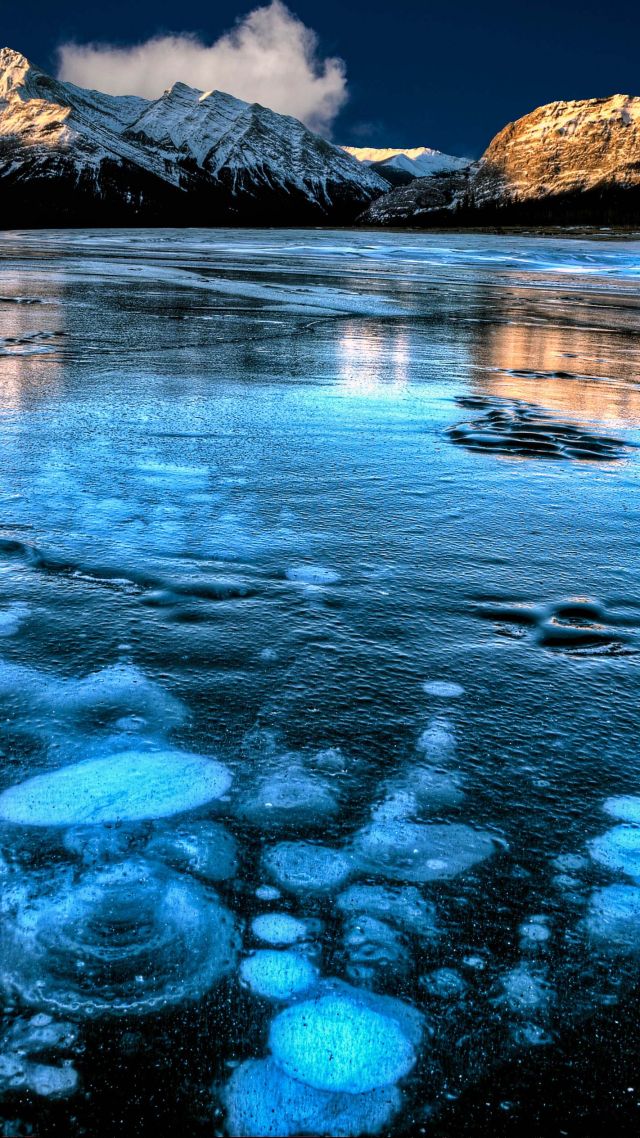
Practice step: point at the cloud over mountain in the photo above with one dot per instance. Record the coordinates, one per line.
(269, 57)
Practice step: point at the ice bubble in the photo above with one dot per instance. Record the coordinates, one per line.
(372, 945)
(39, 1033)
(312, 575)
(12, 617)
(614, 917)
(287, 797)
(626, 807)
(278, 928)
(444, 984)
(402, 905)
(618, 849)
(261, 1099)
(523, 991)
(267, 893)
(303, 867)
(535, 930)
(434, 790)
(346, 1040)
(52, 1082)
(121, 939)
(437, 742)
(410, 851)
(443, 689)
(278, 975)
(120, 788)
(118, 690)
(205, 849)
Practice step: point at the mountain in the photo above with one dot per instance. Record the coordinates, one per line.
(566, 163)
(72, 156)
(399, 166)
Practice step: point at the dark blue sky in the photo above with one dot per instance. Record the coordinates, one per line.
(447, 75)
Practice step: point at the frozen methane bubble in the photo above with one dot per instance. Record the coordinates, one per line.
(12, 617)
(312, 575)
(618, 849)
(437, 742)
(302, 867)
(121, 939)
(278, 974)
(346, 1040)
(278, 928)
(401, 905)
(614, 917)
(411, 851)
(522, 991)
(626, 807)
(443, 689)
(371, 946)
(444, 984)
(205, 849)
(261, 1099)
(126, 787)
(288, 797)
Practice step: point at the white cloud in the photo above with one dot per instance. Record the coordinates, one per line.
(270, 57)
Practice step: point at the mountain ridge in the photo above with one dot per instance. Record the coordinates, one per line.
(84, 157)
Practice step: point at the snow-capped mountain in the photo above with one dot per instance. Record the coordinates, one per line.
(565, 163)
(189, 157)
(416, 162)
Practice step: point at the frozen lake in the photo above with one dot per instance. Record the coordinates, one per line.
(319, 633)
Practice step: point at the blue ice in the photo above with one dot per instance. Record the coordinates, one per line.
(261, 1099)
(125, 787)
(618, 849)
(301, 866)
(410, 851)
(278, 974)
(278, 928)
(346, 1040)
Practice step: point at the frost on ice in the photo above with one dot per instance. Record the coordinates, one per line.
(120, 788)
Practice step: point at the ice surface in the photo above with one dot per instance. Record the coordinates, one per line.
(12, 617)
(278, 975)
(261, 1099)
(121, 788)
(618, 849)
(120, 939)
(278, 928)
(410, 851)
(301, 866)
(346, 1040)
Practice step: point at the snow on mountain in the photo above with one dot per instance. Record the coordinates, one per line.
(565, 163)
(419, 161)
(66, 151)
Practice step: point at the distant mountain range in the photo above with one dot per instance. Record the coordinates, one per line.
(74, 157)
(69, 156)
(567, 163)
(399, 167)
